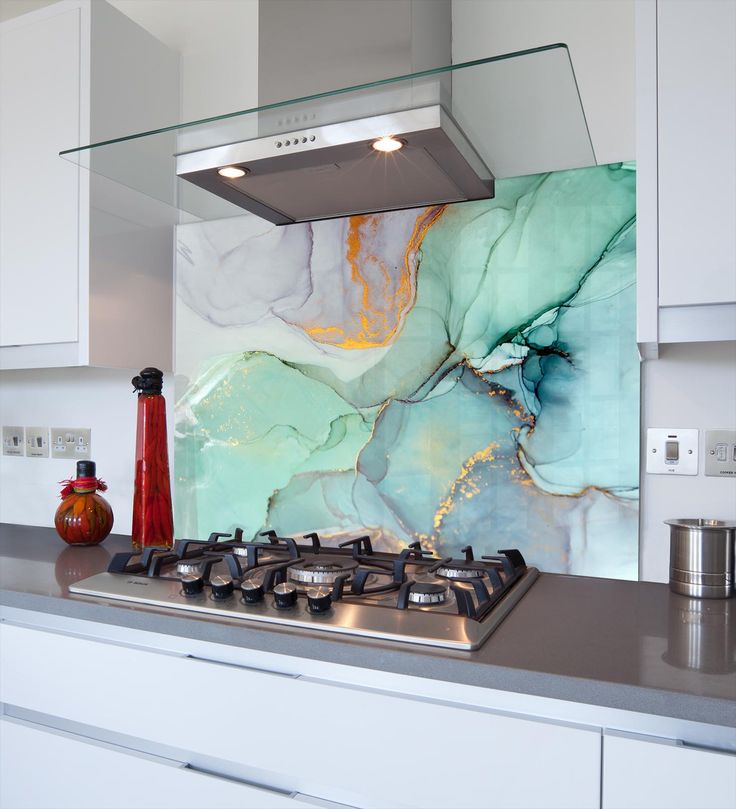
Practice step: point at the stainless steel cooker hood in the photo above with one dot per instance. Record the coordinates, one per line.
(341, 169)
(453, 130)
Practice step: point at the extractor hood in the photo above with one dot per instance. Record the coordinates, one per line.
(453, 130)
(405, 159)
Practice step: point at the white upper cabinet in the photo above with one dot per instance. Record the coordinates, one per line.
(696, 59)
(38, 191)
(686, 154)
(86, 266)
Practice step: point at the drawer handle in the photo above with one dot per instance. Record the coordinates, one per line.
(287, 793)
(241, 667)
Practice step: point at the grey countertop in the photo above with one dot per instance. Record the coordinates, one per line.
(618, 644)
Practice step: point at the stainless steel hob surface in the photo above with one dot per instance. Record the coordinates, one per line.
(412, 596)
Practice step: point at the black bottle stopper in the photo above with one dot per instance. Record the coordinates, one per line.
(150, 380)
(86, 469)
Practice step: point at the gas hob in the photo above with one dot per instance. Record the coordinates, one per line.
(412, 596)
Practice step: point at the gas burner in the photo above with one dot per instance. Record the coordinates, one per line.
(185, 566)
(459, 573)
(322, 570)
(428, 593)
(266, 553)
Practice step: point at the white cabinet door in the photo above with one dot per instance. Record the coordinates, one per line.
(658, 774)
(39, 191)
(696, 41)
(42, 768)
(349, 745)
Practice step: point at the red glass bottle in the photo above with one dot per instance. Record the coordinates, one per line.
(153, 521)
(84, 517)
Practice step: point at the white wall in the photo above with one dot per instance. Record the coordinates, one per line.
(218, 42)
(690, 385)
(600, 37)
(13, 8)
(98, 398)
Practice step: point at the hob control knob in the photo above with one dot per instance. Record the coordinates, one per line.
(222, 587)
(252, 591)
(284, 595)
(192, 584)
(319, 599)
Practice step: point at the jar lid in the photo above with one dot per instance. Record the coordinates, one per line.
(702, 523)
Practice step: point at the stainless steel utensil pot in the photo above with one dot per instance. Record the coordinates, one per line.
(702, 557)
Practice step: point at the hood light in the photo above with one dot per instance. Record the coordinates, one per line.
(231, 172)
(388, 144)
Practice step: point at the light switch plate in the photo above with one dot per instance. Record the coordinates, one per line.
(672, 451)
(71, 443)
(37, 442)
(14, 441)
(720, 453)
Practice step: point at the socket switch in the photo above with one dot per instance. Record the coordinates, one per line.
(720, 453)
(14, 441)
(672, 451)
(37, 442)
(71, 443)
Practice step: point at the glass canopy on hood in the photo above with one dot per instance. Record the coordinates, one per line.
(453, 130)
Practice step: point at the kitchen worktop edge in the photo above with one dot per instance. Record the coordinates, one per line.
(22, 546)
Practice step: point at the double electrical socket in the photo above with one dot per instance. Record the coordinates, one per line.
(70, 442)
(35, 442)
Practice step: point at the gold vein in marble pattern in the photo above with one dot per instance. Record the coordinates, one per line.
(464, 485)
(384, 300)
(516, 407)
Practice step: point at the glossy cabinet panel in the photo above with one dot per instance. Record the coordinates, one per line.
(421, 752)
(696, 58)
(641, 773)
(39, 192)
(81, 773)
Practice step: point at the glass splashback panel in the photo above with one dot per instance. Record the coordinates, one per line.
(521, 112)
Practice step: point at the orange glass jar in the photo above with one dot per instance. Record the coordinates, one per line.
(84, 517)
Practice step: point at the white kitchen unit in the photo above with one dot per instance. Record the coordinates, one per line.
(85, 264)
(663, 774)
(295, 734)
(204, 724)
(686, 181)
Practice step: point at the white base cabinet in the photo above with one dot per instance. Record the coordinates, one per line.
(360, 747)
(95, 715)
(641, 773)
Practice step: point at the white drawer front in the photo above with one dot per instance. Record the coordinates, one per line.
(46, 769)
(662, 775)
(350, 745)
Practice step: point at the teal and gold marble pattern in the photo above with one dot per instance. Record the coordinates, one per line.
(454, 374)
